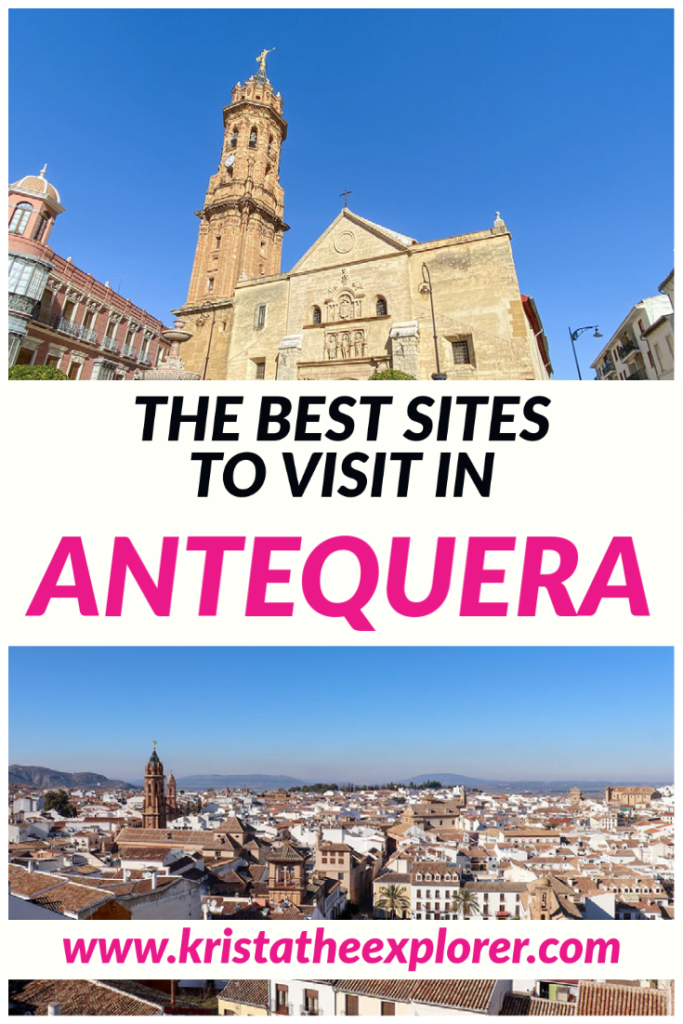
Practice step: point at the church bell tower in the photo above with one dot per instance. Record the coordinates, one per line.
(241, 225)
(154, 808)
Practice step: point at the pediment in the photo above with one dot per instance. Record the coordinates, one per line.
(350, 238)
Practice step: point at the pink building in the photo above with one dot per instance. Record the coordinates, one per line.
(59, 315)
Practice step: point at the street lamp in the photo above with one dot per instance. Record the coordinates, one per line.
(427, 288)
(204, 309)
(573, 335)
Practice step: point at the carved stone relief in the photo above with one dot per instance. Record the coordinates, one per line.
(345, 345)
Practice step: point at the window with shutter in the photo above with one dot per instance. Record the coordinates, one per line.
(351, 1006)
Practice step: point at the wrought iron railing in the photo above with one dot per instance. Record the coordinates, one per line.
(60, 323)
(110, 344)
(638, 375)
(629, 347)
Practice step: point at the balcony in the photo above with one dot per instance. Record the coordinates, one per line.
(128, 352)
(638, 375)
(607, 370)
(629, 350)
(145, 360)
(109, 344)
(60, 323)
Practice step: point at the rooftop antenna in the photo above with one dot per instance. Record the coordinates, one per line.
(118, 287)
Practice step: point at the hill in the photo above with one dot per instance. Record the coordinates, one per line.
(49, 778)
(258, 783)
(524, 785)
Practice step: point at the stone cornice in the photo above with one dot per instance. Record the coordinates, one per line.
(240, 202)
(278, 118)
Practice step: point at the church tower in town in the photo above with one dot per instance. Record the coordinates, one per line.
(171, 797)
(241, 225)
(154, 807)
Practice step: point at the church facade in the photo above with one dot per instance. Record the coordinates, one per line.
(360, 300)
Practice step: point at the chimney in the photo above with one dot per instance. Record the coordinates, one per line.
(31, 867)
(126, 874)
(54, 1009)
(153, 876)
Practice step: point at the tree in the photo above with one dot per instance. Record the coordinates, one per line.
(391, 375)
(36, 373)
(465, 902)
(393, 900)
(58, 800)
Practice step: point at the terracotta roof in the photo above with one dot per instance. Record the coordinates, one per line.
(517, 1004)
(30, 883)
(85, 998)
(37, 183)
(72, 897)
(253, 993)
(285, 852)
(597, 999)
(398, 989)
(460, 993)
(208, 840)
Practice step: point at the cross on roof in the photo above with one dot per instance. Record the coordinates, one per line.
(346, 193)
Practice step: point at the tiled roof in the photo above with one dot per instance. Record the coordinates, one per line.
(253, 993)
(174, 837)
(459, 993)
(286, 852)
(30, 883)
(597, 999)
(518, 1004)
(398, 989)
(86, 998)
(72, 897)
(37, 183)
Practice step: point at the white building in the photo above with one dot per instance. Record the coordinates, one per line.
(642, 347)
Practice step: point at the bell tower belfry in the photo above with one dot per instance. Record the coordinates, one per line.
(154, 807)
(241, 225)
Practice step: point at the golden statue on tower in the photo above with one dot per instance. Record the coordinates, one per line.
(262, 59)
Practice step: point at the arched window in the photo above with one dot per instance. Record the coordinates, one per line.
(381, 307)
(253, 138)
(317, 315)
(233, 138)
(20, 217)
(40, 227)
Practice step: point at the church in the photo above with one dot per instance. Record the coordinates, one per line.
(364, 298)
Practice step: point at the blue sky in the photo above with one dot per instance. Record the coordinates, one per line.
(356, 714)
(435, 120)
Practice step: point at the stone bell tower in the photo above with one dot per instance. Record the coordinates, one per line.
(154, 808)
(241, 225)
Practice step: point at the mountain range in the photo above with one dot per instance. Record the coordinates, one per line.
(258, 783)
(523, 785)
(48, 778)
(43, 778)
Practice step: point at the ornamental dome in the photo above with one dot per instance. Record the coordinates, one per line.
(38, 184)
